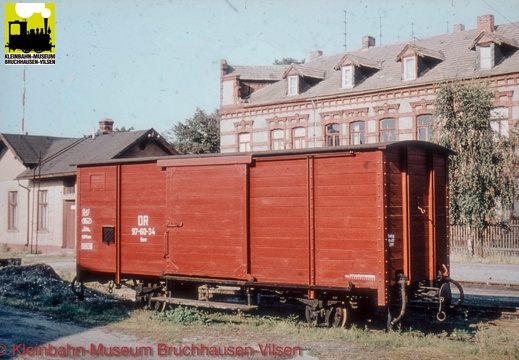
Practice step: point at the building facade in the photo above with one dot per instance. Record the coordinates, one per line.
(38, 182)
(375, 94)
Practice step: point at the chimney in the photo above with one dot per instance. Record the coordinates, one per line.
(486, 23)
(459, 28)
(368, 42)
(106, 126)
(315, 54)
(223, 68)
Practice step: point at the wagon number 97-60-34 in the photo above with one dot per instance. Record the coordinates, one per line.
(143, 227)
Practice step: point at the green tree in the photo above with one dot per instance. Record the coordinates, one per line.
(482, 174)
(288, 61)
(198, 134)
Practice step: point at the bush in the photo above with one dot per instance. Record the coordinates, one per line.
(182, 315)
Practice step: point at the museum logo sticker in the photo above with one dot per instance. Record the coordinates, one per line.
(29, 34)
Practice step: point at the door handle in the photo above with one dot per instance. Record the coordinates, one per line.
(166, 244)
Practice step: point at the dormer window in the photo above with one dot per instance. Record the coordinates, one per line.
(347, 77)
(485, 57)
(492, 49)
(355, 69)
(301, 77)
(293, 85)
(417, 60)
(409, 68)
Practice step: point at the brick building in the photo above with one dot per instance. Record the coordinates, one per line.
(374, 94)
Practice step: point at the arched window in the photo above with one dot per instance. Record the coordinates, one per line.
(425, 127)
(387, 130)
(277, 139)
(357, 133)
(332, 134)
(244, 142)
(298, 138)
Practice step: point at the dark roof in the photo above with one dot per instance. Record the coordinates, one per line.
(421, 51)
(63, 154)
(30, 148)
(305, 71)
(500, 40)
(272, 72)
(457, 62)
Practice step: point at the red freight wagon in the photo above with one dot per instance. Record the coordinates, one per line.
(333, 228)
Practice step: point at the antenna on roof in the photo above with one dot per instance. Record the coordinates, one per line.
(380, 28)
(345, 32)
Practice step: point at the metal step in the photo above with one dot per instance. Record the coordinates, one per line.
(205, 304)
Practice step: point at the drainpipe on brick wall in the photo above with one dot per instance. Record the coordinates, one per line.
(315, 123)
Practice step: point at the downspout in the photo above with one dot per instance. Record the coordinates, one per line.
(28, 210)
(315, 123)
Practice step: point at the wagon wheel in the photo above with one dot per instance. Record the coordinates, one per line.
(26, 50)
(312, 315)
(78, 288)
(338, 316)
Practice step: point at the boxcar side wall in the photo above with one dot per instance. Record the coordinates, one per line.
(319, 220)
(142, 212)
(207, 219)
(122, 220)
(279, 220)
(96, 199)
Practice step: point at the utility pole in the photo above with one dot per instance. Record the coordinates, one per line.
(23, 101)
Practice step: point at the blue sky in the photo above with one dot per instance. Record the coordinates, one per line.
(152, 63)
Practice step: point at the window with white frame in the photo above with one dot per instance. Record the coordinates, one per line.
(485, 57)
(387, 130)
(499, 121)
(332, 135)
(424, 127)
(293, 85)
(357, 133)
(43, 210)
(347, 76)
(244, 142)
(12, 217)
(277, 139)
(409, 68)
(299, 138)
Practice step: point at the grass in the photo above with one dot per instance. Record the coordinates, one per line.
(484, 340)
(466, 337)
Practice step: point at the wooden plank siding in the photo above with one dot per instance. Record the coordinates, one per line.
(346, 220)
(96, 199)
(279, 224)
(207, 207)
(143, 219)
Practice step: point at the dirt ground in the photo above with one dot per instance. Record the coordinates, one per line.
(28, 334)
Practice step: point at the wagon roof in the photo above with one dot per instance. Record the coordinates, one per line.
(242, 157)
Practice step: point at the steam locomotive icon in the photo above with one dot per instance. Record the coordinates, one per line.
(20, 38)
